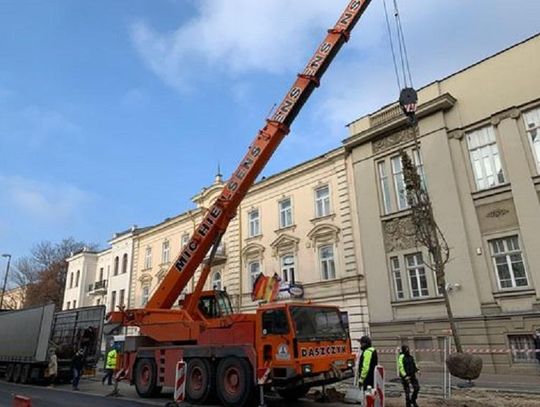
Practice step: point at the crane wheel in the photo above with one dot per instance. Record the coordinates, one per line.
(200, 381)
(9, 372)
(234, 382)
(146, 378)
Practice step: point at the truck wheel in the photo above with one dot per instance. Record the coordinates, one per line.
(9, 372)
(17, 373)
(234, 382)
(293, 394)
(200, 381)
(146, 378)
(25, 373)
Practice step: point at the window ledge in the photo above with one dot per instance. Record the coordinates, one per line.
(399, 214)
(285, 228)
(256, 237)
(514, 292)
(536, 180)
(419, 301)
(499, 189)
(146, 270)
(322, 218)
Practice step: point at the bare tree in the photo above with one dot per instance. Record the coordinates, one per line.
(428, 233)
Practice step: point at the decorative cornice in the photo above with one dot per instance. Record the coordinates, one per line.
(511, 113)
(284, 243)
(325, 231)
(393, 122)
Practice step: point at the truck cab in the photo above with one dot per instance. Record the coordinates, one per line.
(303, 345)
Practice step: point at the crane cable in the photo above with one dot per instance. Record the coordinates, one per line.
(408, 98)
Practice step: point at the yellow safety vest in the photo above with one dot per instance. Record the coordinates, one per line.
(111, 360)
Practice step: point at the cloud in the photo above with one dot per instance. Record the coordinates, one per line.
(42, 202)
(233, 37)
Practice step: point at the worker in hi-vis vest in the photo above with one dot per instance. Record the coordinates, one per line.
(110, 365)
(368, 362)
(407, 372)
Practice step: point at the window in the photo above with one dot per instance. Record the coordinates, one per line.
(148, 258)
(216, 281)
(121, 298)
(124, 263)
(116, 265)
(523, 349)
(326, 258)
(508, 262)
(274, 322)
(71, 280)
(113, 301)
(185, 239)
(322, 201)
(285, 213)
(74, 303)
(417, 275)
(385, 188)
(68, 304)
(165, 252)
(399, 183)
(532, 125)
(145, 295)
(254, 268)
(100, 274)
(287, 268)
(485, 158)
(77, 277)
(396, 278)
(254, 223)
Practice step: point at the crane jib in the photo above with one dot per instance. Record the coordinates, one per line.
(217, 218)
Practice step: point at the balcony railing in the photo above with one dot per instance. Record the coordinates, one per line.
(99, 287)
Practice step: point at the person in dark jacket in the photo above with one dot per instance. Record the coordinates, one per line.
(407, 373)
(368, 362)
(77, 365)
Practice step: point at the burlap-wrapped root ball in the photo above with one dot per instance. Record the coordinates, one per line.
(464, 365)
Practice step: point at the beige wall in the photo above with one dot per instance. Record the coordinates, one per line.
(14, 298)
(302, 239)
(495, 93)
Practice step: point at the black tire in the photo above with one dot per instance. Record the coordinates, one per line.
(200, 381)
(9, 372)
(234, 382)
(293, 394)
(17, 373)
(146, 378)
(25, 373)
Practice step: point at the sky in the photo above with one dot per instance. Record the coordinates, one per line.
(115, 113)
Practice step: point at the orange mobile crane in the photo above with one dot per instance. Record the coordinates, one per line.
(298, 345)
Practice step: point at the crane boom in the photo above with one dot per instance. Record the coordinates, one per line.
(217, 218)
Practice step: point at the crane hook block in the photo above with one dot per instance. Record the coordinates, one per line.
(408, 100)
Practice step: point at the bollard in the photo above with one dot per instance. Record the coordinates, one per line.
(22, 401)
(180, 384)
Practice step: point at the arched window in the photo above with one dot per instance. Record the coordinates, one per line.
(77, 277)
(116, 265)
(71, 280)
(287, 268)
(124, 263)
(326, 261)
(216, 281)
(145, 295)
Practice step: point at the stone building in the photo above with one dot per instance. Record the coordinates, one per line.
(298, 223)
(479, 137)
(14, 298)
(101, 277)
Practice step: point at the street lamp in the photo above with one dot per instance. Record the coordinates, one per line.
(5, 279)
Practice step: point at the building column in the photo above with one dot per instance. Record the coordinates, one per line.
(523, 191)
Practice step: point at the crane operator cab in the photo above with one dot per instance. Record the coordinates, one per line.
(305, 345)
(215, 304)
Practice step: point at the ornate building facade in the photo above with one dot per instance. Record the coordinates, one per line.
(298, 224)
(479, 157)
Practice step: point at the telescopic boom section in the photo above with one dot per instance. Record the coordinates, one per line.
(259, 152)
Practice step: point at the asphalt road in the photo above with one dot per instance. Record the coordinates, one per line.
(57, 397)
